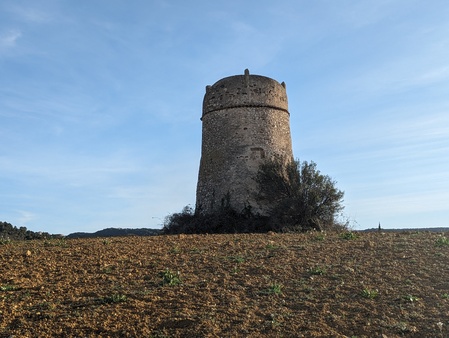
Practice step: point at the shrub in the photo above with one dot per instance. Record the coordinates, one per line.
(302, 198)
(224, 220)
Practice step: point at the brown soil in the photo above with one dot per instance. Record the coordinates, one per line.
(245, 285)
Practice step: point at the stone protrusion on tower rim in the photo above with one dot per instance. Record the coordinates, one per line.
(245, 122)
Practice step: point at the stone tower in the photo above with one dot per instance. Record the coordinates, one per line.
(245, 121)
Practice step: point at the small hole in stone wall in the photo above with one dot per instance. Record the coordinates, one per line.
(245, 128)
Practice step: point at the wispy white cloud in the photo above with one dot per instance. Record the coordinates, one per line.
(429, 126)
(8, 39)
(402, 204)
(398, 76)
(30, 14)
(74, 171)
(25, 217)
(359, 14)
(429, 77)
(404, 131)
(242, 49)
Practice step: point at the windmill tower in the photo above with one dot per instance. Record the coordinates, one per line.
(245, 121)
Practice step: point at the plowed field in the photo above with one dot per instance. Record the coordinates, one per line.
(243, 285)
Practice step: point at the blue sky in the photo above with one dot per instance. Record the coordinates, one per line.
(100, 103)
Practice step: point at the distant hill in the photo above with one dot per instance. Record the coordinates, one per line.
(407, 230)
(116, 232)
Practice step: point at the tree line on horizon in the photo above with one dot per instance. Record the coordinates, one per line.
(9, 232)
